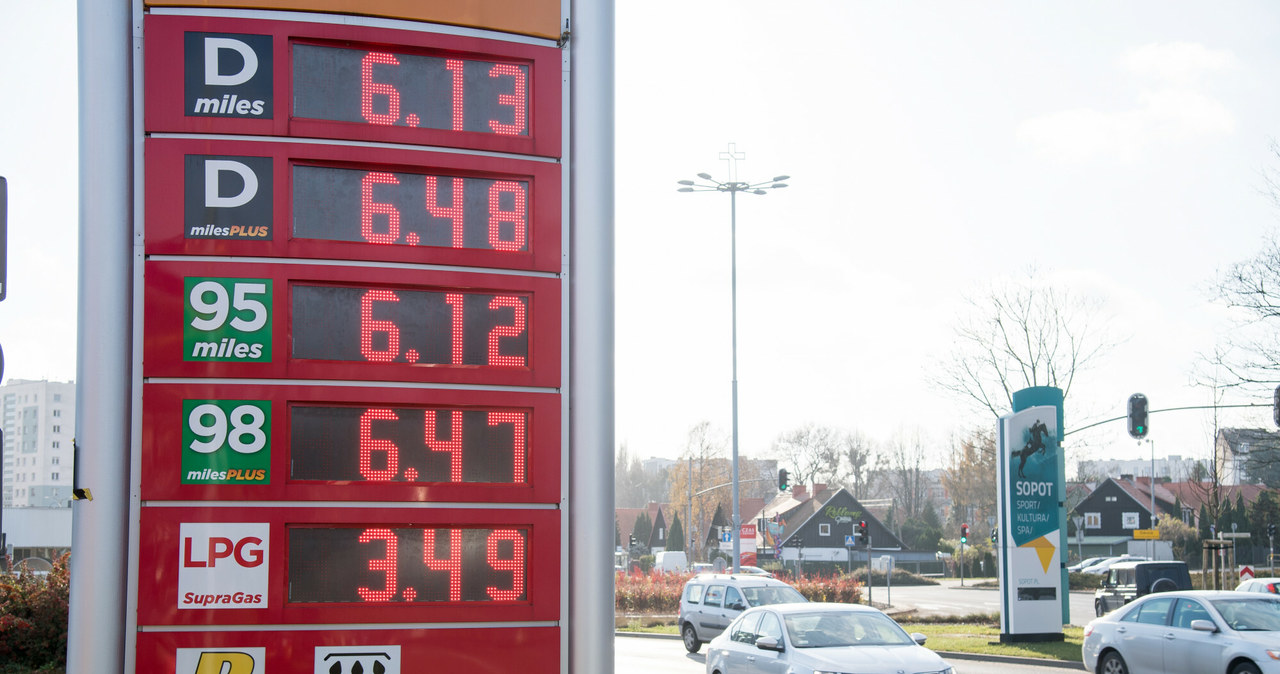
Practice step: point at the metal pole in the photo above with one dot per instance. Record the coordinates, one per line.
(961, 563)
(1153, 494)
(97, 638)
(688, 524)
(590, 277)
(733, 292)
(868, 567)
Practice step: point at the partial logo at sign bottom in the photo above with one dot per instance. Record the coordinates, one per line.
(220, 661)
(357, 660)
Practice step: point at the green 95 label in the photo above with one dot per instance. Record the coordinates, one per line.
(226, 320)
(226, 442)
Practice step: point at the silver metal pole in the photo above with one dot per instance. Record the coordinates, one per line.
(99, 529)
(733, 291)
(591, 336)
(1153, 495)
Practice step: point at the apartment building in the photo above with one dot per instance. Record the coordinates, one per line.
(38, 418)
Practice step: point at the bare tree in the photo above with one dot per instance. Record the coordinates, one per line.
(812, 454)
(902, 468)
(1251, 289)
(970, 478)
(1021, 334)
(860, 459)
(703, 465)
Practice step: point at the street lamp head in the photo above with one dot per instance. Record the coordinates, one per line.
(684, 182)
(758, 192)
(685, 189)
(777, 186)
(705, 176)
(778, 179)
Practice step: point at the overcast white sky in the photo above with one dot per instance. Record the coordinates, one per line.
(933, 147)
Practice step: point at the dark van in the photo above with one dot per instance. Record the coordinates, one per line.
(1127, 581)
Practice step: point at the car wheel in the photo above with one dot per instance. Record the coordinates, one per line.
(1112, 663)
(1246, 668)
(690, 637)
(1097, 609)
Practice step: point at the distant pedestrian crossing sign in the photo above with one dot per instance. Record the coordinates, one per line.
(848, 540)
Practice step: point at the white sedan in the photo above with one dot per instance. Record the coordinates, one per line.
(816, 638)
(1187, 632)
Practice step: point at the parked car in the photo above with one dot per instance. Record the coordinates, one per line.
(710, 601)
(1084, 563)
(1187, 632)
(1271, 585)
(1127, 581)
(754, 571)
(1102, 567)
(810, 638)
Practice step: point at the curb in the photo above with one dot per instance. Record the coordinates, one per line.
(954, 655)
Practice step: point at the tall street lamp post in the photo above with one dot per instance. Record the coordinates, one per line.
(733, 186)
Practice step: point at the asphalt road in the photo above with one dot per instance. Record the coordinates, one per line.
(950, 598)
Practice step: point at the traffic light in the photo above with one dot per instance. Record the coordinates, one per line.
(993, 535)
(633, 540)
(782, 479)
(1271, 530)
(964, 534)
(1138, 416)
(861, 531)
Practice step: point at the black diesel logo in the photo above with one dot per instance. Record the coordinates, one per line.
(228, 75)
(227, 197)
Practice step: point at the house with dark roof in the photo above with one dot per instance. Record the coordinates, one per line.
(1117, 508)
(814, 524)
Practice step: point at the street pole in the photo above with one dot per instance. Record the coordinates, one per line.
(733, 187)
(868, 567)
(1153, 494)
(961, 563)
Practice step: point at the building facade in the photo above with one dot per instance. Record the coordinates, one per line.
(38, 419)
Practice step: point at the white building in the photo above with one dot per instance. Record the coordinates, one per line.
(1174, 467)
(38, 418)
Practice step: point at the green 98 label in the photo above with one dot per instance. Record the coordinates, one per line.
(226, 442)
(226, 320)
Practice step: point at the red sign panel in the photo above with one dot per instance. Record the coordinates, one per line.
(395, 651)
(281, 566)
(350, 323)
(277, 78)
(236, 442)
(210, 197)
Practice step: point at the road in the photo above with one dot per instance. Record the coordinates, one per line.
(646, 655)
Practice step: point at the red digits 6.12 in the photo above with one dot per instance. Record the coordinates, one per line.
(370, 326)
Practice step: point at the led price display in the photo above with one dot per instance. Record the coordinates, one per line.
(407, 564)
(386, 444)
(412, 90)
(422, 327)
(384, 207)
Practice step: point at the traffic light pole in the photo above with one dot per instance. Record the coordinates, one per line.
(961, 563)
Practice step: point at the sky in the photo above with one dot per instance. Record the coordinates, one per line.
(934, 148)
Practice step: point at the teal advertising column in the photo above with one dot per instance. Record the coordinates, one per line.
(1037, 396)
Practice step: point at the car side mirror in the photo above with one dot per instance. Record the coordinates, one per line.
(769, 644)
(918, 638)
(736, 606)
(1203, 626)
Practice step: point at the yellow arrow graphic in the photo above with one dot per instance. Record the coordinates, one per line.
(1044, 548)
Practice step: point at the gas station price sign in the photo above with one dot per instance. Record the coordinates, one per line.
(350, 323)
(219, 197)
(282, 442)
(296, 79)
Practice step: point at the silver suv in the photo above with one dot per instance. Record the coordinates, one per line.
(711, 601)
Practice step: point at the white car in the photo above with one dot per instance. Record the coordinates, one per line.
(1101, 568)
(820, 638)
(1187, 632)
(1270, 585)
(1084, 564)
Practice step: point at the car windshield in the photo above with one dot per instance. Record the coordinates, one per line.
(828, 629)
(1253, 614)
(777, 594)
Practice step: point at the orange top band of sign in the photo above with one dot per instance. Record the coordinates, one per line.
(539, 18)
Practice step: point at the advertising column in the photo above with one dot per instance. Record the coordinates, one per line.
(1029, 489)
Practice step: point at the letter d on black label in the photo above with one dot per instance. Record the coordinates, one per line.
(228, 75)
(227, 197)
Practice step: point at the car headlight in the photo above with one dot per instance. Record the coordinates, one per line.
(1275, 654)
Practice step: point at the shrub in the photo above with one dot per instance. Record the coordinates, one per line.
(652, 592)
(33, 618)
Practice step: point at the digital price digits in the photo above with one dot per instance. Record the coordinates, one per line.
(381, 325)
(383, 444)
(384, 207)
(404, 564)
(410, 90)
